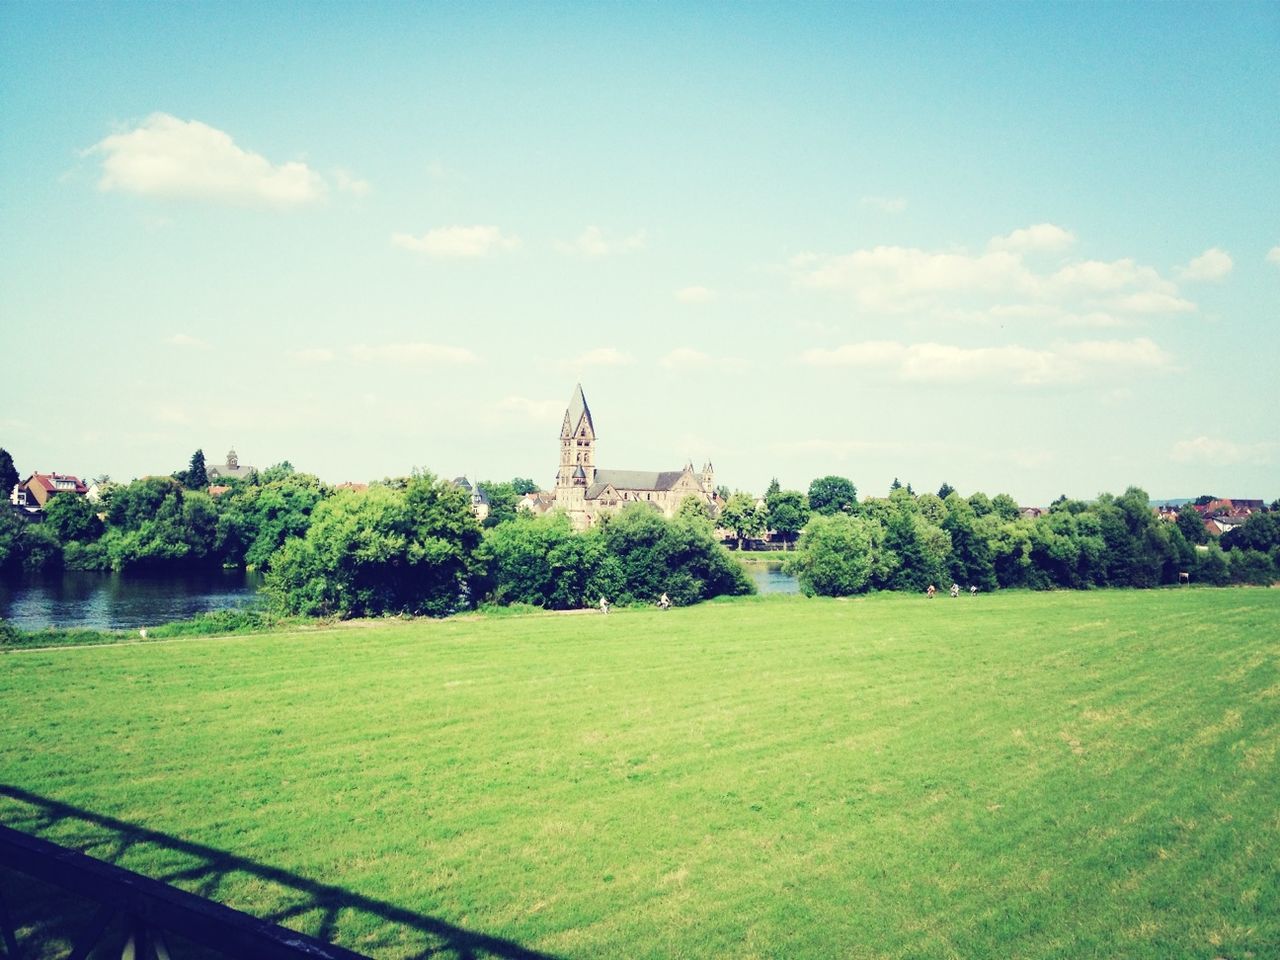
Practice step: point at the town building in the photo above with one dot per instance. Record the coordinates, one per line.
(233, 468)
(585, 492)
(35, 492)
(479, 499)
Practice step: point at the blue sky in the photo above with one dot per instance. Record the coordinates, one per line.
(1020, 248)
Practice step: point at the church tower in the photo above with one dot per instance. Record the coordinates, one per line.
(577, 449)
(708, 478)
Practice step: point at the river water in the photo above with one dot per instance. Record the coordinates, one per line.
(116, 601)
(769, 578)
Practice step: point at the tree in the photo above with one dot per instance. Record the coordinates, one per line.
(677, 557)
(774, 488)
(523, 485)
(1204, 500)
(518, 554)
(741, 516)
(834, 557)
(383, 550)
(1192, 525)
(502, 497)
(1005, 506)
(72, 518)
(196, 477)
(832, 494)
(787, 512)
(945, 490)
(9, 476)
(971, 562)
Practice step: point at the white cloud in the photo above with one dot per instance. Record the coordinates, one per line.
(536, 411)
(686, 358)
(413, 354)
(186, 340)
(1213, 264)
(1025, 366)
(474, 241)
(695, 295)
(1218, 450)
(593, 244)
(1038, 237)
(957, 285)
(347, 183)
(884, 204)
(1273, 255)
(600, 357)
(168, 157)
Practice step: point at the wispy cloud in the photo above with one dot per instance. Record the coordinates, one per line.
(458, 241)
(168, 157)
(1213, 264)
(884, 204)
(894, 280)
(412, 354)
(593, 244)
(187, 341)
(1219, 450)
(1024, 366)
(599, 357)
(1273, 255)
(1038, 237)
(346, 182)
(695, 295)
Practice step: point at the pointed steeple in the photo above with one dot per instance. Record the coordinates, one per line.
(574, 415)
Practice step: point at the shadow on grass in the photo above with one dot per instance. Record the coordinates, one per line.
(322, 910)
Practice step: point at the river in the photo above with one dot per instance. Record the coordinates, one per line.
(117, 601)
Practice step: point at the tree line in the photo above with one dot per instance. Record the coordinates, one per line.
(908, 541)
(413, 545)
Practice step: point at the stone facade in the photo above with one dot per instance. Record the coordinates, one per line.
(585, 491)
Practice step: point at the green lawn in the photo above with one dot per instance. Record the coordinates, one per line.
(1012, 775)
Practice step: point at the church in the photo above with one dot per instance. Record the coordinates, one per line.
(584, 491)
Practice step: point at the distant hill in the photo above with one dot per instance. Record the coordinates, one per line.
(1172, 503)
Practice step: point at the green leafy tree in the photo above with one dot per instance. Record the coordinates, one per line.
(787, 512)
(1192, 525)
(1260, 532)
(971, 563)
(1204, 500)
(741, 516)
(1211, 567)
(72, 518)
(773, 489)
(1005, 506)
(523, 485)
(676, 557)
(275, 472)
(1251, 566)
(923, 551)
(835, 556)
(196, 477)
(945, 490)
(980, 503)
(8, 474)
(502, 497)
(379, 551)
(517, 556)
(832, 494)
(696, 510)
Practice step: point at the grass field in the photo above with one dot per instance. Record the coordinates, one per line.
(1012, 775)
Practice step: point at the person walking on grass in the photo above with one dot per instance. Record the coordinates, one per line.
(664, 601)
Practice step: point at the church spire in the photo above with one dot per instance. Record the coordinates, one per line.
(573, 416)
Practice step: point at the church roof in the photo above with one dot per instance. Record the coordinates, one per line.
(634, 480)
(577, 410)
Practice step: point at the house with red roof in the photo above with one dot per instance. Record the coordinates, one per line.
(37, 490)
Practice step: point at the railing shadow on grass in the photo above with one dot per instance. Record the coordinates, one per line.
(201, 870)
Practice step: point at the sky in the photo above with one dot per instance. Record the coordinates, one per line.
(1022, 248)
